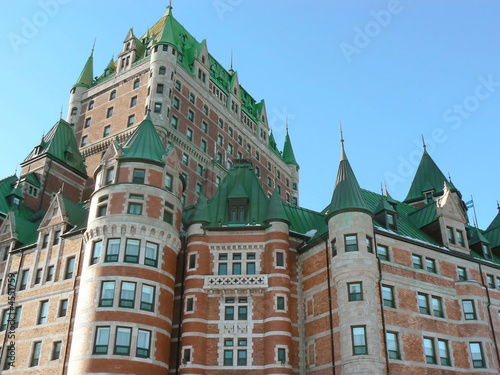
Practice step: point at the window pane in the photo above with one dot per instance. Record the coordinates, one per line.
(143, 343)
(122, 343)
(132, 251)
(107, 293)
(147, 297)
(429, 351)
(151, 258)
(112, 250)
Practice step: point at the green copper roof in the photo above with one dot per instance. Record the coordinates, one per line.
(477, 236)
(428, 177)
(6, 186)
(384, 205)
(32, 179)
(60, 143)
(288, 155)
(424, 215)
(241, 179)
(87, 76)
(145, 143)
(200, 212)
(347, 195)
(275, 209)
(493, 235)
(303, 220)
(77, 213)
(496, 221)
(272, 144)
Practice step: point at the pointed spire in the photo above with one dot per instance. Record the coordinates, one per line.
(231, 71)
(170, 33)
(169, 7)
(272, 144)
(496, 221)
(423, 143)
(275, 209)
(288, 155)
(343, 156)
(201, 212)
(86, 78)
(347, 195)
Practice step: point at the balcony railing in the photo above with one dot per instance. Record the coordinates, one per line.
(235, 281)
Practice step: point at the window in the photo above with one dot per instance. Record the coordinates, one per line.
(157, 108)
(57, 236)
(147, 297)
(476, 351)
(437, 307)
(444, 353)
(469, 309)
(137, 82)
(393, 345)
(107, 131)
(189, 304)
(162, 70)
(84, 141)
(383, 252)
(101, 340)
(269, 181)
(391, 221)
(168, 182)
(257, 173)
(229, 309)
(423, 304)
(87, 122)
(186, 358)
(50, 273)
(107, 294)
(192, 261)
(249, 148)
(24, 280)
(460, 238)
(388, 296)
(205, 110)
(35, 357)
(430, 354)
(282, 355)
(431, 265)
(42, 312)
(355, 291)
(204, 127)
(221, 123)
(159, 88)
(56, 350)
(112, 95)
(109, 112)
(217, 181)
(185, 159)
(417, 262)
(143, 343)
(122, 342)
(230, 148)
(242, 356)
(219, 157)
(491, 281)
(369, 244)
(151, 257)
(132, 251)
(198, 189)
(228, 354)
(280, 259)
(220, 140)
(486, 251)
(5, 317)
(351, 243)
(70, 267)
(91, 105)
(127, 295)
(462, 273)
(134, 208)
(191, 116)
(96, 252)
(176, 103)
(192, 98)
(189, 134)
(334, 247)
(251, 264)
(45, 242)
(38, 276)
(63, 308)
(451, 237)
(359, 340)
(112, 250)
(280, 303)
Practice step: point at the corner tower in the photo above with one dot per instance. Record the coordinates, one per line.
(79, 88)
(123, 321)
(354, 275)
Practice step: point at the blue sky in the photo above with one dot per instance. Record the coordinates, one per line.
(391, 71)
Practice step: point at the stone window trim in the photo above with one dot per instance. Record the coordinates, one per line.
(190, 304)
(229, 260)
(380, 252)
(192, 263)
(277, 299)
(187, 355)
(278, 259)
(278, 354)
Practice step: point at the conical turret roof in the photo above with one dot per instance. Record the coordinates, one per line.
(275, 209)
(87, 76)
(347, 195)
(201, 214)
(288, 155)
(145, 143)
(272, 144)
(496, 221)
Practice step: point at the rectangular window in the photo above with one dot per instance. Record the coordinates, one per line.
(334, 247)
(204, 145)
(444, 353)
(42, 313)
(431, 265)
(491, 281)
(369, 245)
(17, 318)
(355, 291)
(112, 250)
(101, 340)
(5, 317)
(437, 307)
(280, 303)
(127, 295)
(451, 237)
(351, 243)
(242, 309)
(159, 88)
(282, 355)
(189, 304)
(430, 354)
(57, 236)
(462, 273)
(185, 159)
(35, 357)
(70, 267)
(242, 357)
(280, 259)
(168, 182)
(189, 134)
(151, 257)
(45, 241)
(417, 262)
(84, 141)
(192, 261)
(460, 238)
(228, 357)
(359, 340)
(96, 252)
(109, 113)
(56, 350)
(24, 280)
(107, 294)
(87, 122)
(131, 120)
(186, 358)
(476, 351)
(423, 304)
(132, 250)
(50, 273)
(192, 98)
(157, 108)
(133, 102)
(229, 309)
(143, 343)
(388, 296)
(138, 177)
(393, 345)
(204, 127)
(176, 103)
(469, 309)
(107, 131)
(63, 308)
(134, 208)
(122, 341)
(147, 297)
(191, 115)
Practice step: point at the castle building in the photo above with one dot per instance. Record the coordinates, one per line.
(119, 255)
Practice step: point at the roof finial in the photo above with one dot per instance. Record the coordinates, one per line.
(231, 71)
(286, 124)
(93, 47)
(60, 118)
(449, 177)
(385, 186)
(423, 142)
(381, 189)
(169, 5)
(15, 174)
(498, 205)
(341, 136)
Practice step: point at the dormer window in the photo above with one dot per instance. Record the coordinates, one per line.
(238, 210)
(428, 196)
(486, 251)
(391, 221)
(451, 237)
